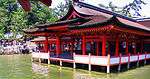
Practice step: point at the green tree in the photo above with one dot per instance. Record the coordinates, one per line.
(14, 18)
(126, 10)
(62, 9)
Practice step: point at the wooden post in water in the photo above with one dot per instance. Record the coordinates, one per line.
(145, 58)
(49, 57)
(32, 59)
(89, 62)
(128, 65)
(119, 66)
(74, 63)
(60, 63)
(39, 60)
(49, 61)
(108, 63)
(138, 59)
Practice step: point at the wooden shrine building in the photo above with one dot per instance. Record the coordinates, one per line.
(94, 36)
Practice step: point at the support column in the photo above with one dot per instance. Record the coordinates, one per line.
(89, 62)
(58, 46)
(104, 45)
(117, 47)
(46, 45)
(39, 60)
(145, 58)
(60, 62)
(119, 66)
(108, 64)
(128, 65)
(83, 45)
(74, 63)
(141, 46)
(49, 61)
(134, 49)
(97, 48)
(127, 47)
(138, 60)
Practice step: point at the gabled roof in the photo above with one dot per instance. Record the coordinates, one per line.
(72, 11)
(91, 17)
(113, 21)
(81, 4)
(72, 21)
(38, 30)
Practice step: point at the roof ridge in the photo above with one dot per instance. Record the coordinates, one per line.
(105, 11)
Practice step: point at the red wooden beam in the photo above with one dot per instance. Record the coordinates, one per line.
(25, 5)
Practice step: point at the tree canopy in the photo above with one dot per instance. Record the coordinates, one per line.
(14, 18)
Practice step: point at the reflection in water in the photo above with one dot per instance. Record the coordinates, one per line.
(21, 67)
(57, 72)
(63, 73)
(38, 68)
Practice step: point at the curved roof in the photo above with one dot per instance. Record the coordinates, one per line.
(113, 21)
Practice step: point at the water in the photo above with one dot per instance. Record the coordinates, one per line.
(20, 67)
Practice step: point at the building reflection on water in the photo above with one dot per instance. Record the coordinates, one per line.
(61, 73)
(40, 69)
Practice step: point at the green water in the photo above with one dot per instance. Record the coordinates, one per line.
(20, 67)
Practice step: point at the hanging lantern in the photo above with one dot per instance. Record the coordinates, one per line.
(133, 44)
(25, 5)
(124, 44)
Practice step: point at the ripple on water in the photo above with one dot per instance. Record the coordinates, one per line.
(20, 67)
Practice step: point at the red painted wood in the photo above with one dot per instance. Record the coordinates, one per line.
(141, 46)
(127, 47)
(47, 2)
(46, 45)
(131, 31)
(120, 58)
(129, 57)
(58, 46)
(134, 49)
(104, 45)
(97, 48)
(83, 45)
(59, 28)
(25, 5)
(117, 47)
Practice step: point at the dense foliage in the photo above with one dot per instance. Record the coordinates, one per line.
(14, 18)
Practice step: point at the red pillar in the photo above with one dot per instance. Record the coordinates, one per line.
(117, 47)
(104, 45)
(72, 45)
(141, 46)
(127, 48)
(97, 48)
(58, 46)
(46, 44)
(83, 45)
(134, 49)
